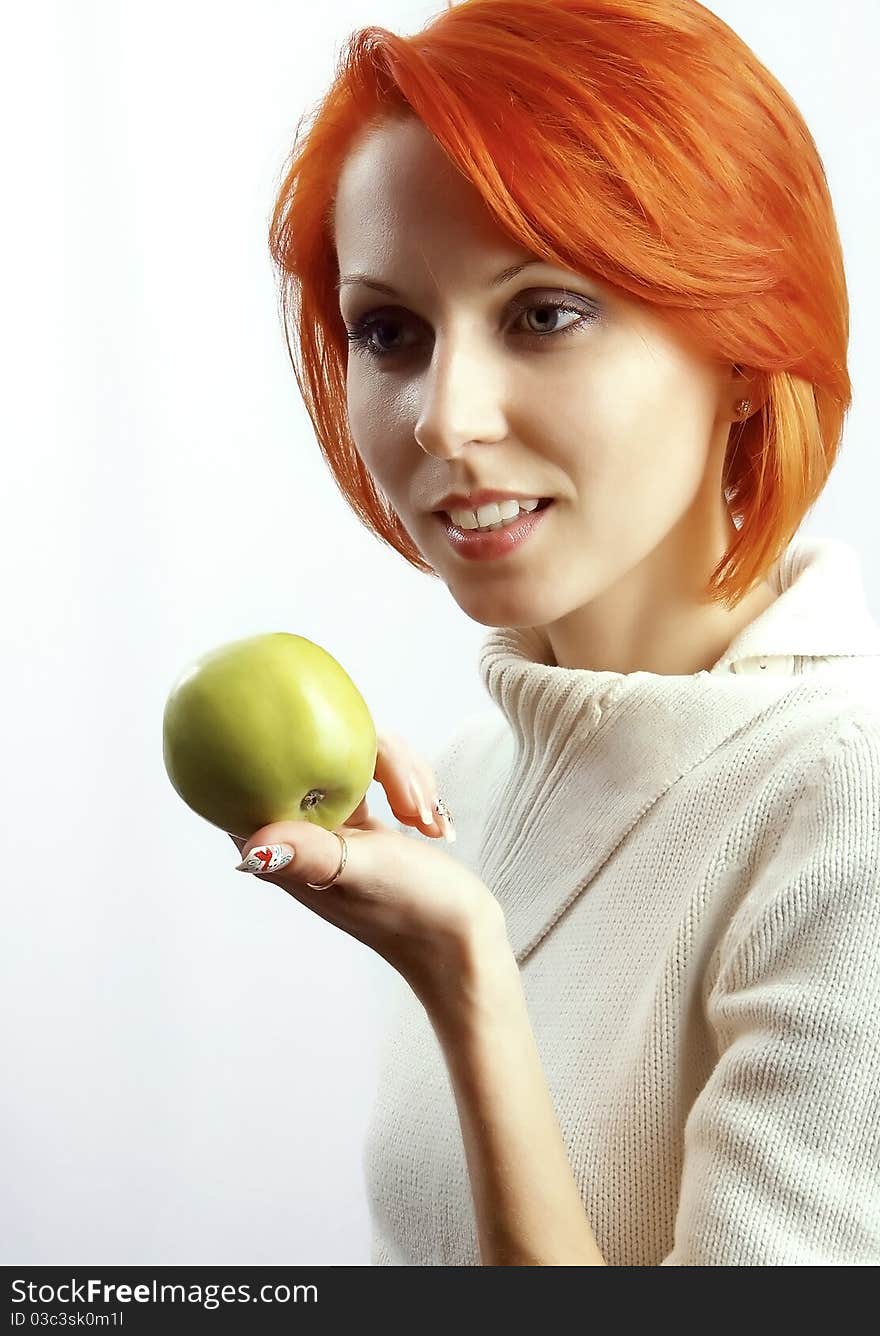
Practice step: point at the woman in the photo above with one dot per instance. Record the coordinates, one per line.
(582, 253)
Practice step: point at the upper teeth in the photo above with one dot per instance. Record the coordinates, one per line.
(494, 515)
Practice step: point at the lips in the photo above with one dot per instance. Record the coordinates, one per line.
(542, 505)
(492, 544)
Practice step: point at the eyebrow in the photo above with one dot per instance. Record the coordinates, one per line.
(506, 274)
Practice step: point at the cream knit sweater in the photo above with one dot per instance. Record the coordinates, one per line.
(689, 869)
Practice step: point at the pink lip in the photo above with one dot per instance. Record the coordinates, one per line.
(474, 546)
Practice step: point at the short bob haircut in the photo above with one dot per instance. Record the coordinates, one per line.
(642, 141)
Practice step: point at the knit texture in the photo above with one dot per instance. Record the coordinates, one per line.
(689, 868)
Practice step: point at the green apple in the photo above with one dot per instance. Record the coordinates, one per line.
(270, 728)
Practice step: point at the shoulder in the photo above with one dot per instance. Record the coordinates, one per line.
(847, 766)
(815, 891)
(821, 723)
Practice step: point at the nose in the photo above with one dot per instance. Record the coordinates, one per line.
(462, 400)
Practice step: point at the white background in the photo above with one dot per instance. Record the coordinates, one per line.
(189, 1055)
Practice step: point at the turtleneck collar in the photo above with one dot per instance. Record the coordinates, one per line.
(592, 750)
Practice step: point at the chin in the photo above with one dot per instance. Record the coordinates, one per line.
(502, 607)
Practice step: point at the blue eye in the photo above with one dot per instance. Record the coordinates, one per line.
(361, 335)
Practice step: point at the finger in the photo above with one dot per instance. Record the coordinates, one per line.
(427, 807)
(407, 781)
(442, 820)
(293, 853)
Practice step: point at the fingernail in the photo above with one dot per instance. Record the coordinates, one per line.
(421, 804)
(446, 821)
(266, 858)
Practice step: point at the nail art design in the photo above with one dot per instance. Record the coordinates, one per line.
(447, 821)
(266, 858)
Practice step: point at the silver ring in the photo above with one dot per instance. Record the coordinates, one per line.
(324, 886)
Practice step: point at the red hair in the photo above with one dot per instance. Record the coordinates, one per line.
(640, 140)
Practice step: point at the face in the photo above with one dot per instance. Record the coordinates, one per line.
(461, 384)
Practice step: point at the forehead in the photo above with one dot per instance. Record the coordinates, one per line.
(399, 193)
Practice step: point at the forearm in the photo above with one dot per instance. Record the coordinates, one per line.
(527, 1205)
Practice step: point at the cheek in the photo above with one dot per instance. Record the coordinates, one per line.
(367, 425)
(382, 444)
(636, 470)
(361, 409)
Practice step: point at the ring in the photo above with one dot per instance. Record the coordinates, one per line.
(323, 886)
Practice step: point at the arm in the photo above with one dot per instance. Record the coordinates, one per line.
(528, 1208)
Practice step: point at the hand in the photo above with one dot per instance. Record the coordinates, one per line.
(416, 906)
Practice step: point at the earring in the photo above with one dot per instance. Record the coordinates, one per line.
(743, 407)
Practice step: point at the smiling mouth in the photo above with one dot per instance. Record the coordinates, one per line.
(542, 505)
(493, 544)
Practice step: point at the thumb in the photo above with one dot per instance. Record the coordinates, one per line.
(296, 852)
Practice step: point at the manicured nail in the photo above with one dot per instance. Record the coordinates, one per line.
(266, 858)
(446, 821)
(419, 797)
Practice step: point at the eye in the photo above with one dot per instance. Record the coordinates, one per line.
(364, 331)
